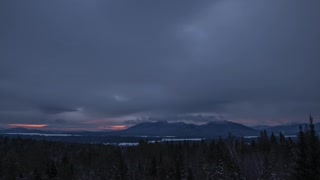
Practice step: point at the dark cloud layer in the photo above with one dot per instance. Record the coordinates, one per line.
(189, 118)
(56, 109)
(80, 61)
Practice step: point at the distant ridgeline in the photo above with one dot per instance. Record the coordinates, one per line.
(160, 131)
(212, 129)
(269, 156)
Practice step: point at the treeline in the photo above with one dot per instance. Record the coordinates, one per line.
(267, 157)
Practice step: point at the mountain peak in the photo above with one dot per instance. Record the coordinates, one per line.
(161, 122)
(211, 129)
(219, 122)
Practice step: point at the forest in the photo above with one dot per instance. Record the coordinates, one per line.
(270, 156)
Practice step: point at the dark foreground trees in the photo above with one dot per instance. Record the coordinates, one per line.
(308, 157)
(267, 157)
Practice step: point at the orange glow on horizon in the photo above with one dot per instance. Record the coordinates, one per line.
(113, 128)
(28, 126)
(116, 128)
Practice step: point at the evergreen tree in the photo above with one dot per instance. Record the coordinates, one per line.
(190, 175)
(273, 139)
(301, 164)
(51, 169)
(122, 168)
(153, 168)
(307, 165)
(282, 138)
(263, 141)
(313, 151)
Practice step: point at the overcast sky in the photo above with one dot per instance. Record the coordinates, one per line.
(95, 64)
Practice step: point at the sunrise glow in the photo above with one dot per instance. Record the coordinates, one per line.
(113, 128)
(28, 126)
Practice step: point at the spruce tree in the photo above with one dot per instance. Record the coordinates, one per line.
(301, 164)
(313, 151)
(307, 165)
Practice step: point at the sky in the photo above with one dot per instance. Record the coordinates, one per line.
(110, 64)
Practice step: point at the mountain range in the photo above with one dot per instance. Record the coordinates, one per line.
(291, 129)
(181, 129)
(212, 129)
